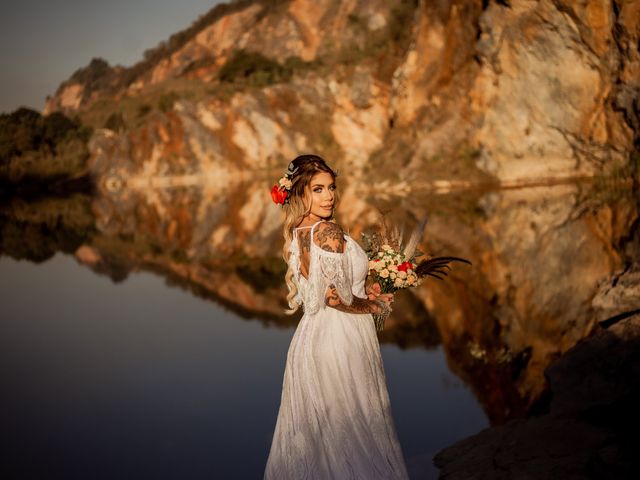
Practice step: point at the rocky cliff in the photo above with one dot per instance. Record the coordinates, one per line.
(448, 91)
(549, 263)
(404, 98)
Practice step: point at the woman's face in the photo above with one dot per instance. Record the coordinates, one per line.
(322, 194)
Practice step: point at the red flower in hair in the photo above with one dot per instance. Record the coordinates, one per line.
(278, 194)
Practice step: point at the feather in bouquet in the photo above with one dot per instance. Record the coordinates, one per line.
(394, 266)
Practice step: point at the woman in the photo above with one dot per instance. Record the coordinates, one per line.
(335, 418)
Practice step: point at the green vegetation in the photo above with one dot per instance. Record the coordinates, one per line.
(255, 69)
(36, 146)
(243, 70)
(176, 41)
(115, 122)
(166, 101)
(252, 67)
(143, 110)
(98, 75)
(199, 63)
(385, 47)
(400, 24)
(129, 112)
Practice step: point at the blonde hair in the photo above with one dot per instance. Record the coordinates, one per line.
(297, 207)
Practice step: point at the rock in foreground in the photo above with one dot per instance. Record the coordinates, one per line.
(589, 430)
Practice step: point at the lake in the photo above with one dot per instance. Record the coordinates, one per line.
(143, 380)
(140, 341)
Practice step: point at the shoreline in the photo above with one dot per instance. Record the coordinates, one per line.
(587, 429)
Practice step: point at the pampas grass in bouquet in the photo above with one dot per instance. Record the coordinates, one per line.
(394, 265)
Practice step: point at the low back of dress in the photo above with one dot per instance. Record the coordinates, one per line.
(302, 235)
(314, 269)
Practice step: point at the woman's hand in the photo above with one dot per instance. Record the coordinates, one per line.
(373, 291)
(386, 298)
(383, 304)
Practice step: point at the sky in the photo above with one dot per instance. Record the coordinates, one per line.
(43, 42)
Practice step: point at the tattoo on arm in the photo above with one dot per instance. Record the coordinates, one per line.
(359, 305)
(329, 237)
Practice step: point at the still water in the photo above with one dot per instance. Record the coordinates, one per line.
(143, 379)
(142, 333)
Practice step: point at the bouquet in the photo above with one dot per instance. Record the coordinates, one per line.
(394, 266)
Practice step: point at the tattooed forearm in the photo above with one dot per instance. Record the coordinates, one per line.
(359, 305)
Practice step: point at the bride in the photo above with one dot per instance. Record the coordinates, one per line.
(335, 419)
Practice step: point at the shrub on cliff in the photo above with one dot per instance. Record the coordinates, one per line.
(93, 74)
(165, 49)
(115, 122)
(97, 76)
(166, 101)
(399, 26)
(253, 68)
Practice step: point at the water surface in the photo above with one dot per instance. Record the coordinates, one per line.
(141, 379)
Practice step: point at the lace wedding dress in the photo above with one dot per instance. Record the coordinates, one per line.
(335, 418)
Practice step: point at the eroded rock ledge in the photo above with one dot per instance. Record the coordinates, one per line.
(588, 431)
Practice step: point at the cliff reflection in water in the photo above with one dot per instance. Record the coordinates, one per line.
(541, 256)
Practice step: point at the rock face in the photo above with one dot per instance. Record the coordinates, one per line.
(510, 91)
(590, 430)
(547, 89)
(546, 261)
(416, 94)
(542, 256)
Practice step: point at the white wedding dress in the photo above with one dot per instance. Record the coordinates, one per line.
(335, 418)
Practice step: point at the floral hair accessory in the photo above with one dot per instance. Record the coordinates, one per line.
(280, 191)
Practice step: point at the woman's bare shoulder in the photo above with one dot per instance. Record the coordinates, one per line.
(329, 236)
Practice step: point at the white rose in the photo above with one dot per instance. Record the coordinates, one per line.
(285, 182)
(392, 275)
(402, 274)
(411, 280)
(393, 267)
(384, 273)
(398, 283)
